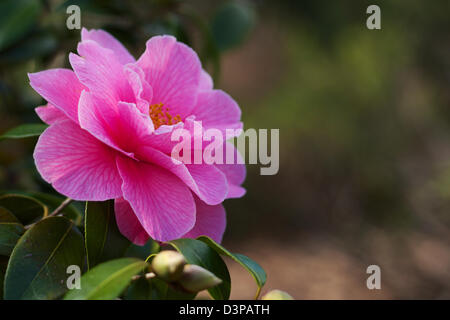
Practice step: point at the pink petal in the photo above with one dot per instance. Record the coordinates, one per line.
(173, 70)
(109, 42)
(76, 164)
(235, 191)
(161, 138)
(211, 221)
(197, 133)
(100, 71)
(211, 183)
(206, 181)
(235, 173)
(142, 90)
(128, 223)
(206, 82)
(60, 87)
(216, 109)
(163, 204)
(122, 128)
(50, 114)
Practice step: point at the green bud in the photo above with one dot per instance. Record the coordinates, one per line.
(168, 265)
(277, 295)
(196, 278)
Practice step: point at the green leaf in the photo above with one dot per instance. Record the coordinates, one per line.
(3, 265)
(70, 212)
(24, 131)
(141, 289)
(24, 208)
(174, 294)
(231, 24)
(142, 252)
(102, 237)
(107, 280)
(37, 266)
(17, 17)
(10, 231)
(155, 289)
(251, 266)
(199, 253)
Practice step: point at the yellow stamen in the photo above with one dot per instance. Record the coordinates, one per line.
(161, 116)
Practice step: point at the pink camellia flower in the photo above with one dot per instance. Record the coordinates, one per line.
(111, 121)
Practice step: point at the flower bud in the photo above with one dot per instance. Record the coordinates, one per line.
(277, 295)
(168, 265)
(196, 278)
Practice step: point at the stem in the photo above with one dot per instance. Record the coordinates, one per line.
(257, 293)
(61, 207)
(55, 212)
(147, 276)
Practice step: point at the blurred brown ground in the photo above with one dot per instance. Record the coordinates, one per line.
(311, 233)
(416, 266)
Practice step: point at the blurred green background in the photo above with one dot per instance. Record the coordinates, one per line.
(364, 119)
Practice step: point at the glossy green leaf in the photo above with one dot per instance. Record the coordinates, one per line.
(52, 202)
(175, 294)
(141, 289)
(168, 292)
(24, 131)
(251, 266)
(102, 237)
(231, 24)
(38, 264)
(17, 17)
(199, 253)
(142, 252)
(26, 209)
(3, 265)
(107, 280)
(10, 231)
(155, 289)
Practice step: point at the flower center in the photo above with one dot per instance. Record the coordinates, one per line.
(161, 116)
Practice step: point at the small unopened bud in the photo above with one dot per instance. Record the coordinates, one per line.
(277, 295)
(168, 265)
(196, 278)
